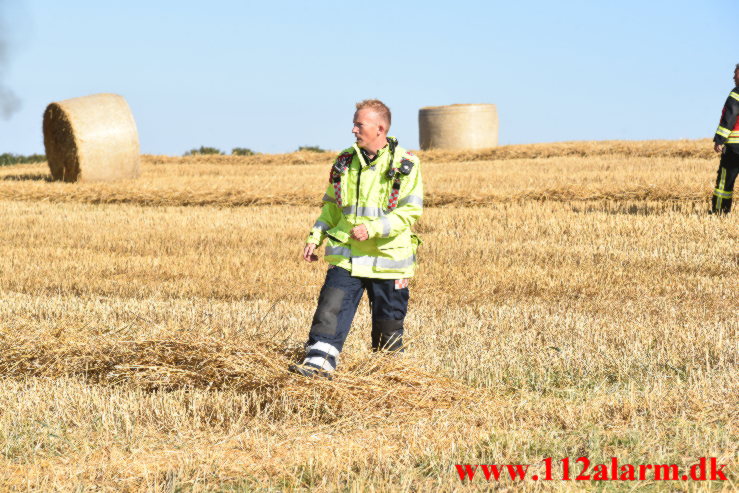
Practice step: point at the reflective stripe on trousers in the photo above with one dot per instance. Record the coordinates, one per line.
(337, 305)
(721, 185)
(320, 354)
(723, 192)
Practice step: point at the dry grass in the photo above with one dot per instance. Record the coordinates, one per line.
(615, 171)
(379, 388)
(575, 304)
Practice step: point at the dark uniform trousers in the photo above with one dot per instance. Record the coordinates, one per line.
(337, 305)
(727, 172)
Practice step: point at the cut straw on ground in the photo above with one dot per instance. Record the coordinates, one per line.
(376, 385)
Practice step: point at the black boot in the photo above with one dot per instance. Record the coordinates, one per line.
(310, 371)
(387, 335)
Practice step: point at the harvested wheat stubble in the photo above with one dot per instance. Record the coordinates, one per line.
(379, 385)
(685, 149)
(92, 138)
(458, 126)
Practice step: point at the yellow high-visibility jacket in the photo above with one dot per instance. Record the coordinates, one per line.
(364, 193)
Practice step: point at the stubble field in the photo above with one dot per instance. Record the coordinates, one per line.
(573, 299)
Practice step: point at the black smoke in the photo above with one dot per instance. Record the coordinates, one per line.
(9, 102)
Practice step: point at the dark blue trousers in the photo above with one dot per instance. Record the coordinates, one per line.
(337, 305)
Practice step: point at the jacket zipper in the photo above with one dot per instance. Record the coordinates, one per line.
(359, 180)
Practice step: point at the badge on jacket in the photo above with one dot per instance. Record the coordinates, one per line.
(406, 165)
(401, 283)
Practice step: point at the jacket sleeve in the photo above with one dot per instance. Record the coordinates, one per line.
(409, 209)
(329, 217)
(728, 118)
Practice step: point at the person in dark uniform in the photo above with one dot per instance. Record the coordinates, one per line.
(726, 142)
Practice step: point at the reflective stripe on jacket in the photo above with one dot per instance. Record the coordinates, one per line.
(390, 251)
(728, 127)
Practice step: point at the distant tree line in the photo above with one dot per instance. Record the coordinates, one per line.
(240, 151)
(311, 149)
(8, 159)
(205, 150)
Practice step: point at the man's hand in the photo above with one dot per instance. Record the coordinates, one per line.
(718, 147)
(360, 232)
(308, 254)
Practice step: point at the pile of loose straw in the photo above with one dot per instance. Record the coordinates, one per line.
(377, 385)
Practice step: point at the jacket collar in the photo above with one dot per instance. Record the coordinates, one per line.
(364, 159)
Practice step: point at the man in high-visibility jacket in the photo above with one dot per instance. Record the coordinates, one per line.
(374, 196)
(726, 142)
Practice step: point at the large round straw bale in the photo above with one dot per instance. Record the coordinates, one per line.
(458, 126)
(92, 138)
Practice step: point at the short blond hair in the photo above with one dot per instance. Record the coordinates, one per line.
(378, 107)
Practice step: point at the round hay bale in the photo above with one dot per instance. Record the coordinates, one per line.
(92, 138)
(458, 126)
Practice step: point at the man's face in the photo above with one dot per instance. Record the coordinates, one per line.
(736, 77)
(366, 127)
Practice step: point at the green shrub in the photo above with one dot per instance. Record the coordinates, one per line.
(203, 150)
(242, 151)
(8, 159)
(311, 149)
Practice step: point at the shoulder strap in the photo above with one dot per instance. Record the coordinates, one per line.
(339, 168)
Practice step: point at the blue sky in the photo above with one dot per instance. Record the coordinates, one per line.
(273, 76)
